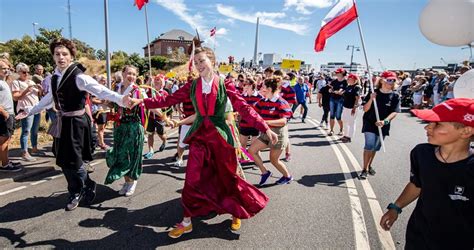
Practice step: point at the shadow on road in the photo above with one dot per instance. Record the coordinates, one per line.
(135, 228)
(38, 206)
(332, 180)
(313, 143)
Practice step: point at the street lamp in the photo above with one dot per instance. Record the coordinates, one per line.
(352, 54)
(34, 29)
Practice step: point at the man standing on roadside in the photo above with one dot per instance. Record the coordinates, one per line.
(7, 121)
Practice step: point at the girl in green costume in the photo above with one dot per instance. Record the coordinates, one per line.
(125, 157)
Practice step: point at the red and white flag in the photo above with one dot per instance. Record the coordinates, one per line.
(191, 60)
(342, 14)
(213, 31)
(140, 3)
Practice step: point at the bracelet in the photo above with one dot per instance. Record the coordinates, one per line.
(395, 207)
(386, 122)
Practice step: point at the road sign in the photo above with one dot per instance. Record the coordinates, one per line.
(291, 64)
(171, 74)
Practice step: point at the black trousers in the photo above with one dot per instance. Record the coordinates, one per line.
(77, 180)
(325, 114)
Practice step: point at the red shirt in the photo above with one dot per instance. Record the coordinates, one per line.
(188, 108)
(288, 93)
(251, 100)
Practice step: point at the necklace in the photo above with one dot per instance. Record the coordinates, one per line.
(447, 157)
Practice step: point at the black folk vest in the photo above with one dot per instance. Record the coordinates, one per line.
(67, 96)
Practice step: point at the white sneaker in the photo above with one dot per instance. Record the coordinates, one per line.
(28, 157)
(131, 188)
(178, 163)
(124, 188)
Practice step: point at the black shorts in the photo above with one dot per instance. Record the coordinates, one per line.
(249, 131)
(100, 118)
(7, 127)
(155, 126)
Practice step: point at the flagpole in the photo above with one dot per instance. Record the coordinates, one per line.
(371, 83)
(148, 41)
(107, 54)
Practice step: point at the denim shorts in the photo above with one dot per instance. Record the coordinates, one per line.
(372, 141)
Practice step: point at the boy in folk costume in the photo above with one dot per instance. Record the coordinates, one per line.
(72, 130)
(212, 184)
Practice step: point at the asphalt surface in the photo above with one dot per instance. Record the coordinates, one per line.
(319, 209)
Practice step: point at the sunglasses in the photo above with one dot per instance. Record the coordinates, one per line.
(390, 80)
(24, 72)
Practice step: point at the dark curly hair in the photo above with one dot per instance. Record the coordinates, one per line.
(63, 42)
(273, 83)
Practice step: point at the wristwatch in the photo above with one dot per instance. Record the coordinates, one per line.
(395, 207)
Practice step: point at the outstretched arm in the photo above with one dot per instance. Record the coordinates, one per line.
(88, 84)
(167, 100)
(245, 110)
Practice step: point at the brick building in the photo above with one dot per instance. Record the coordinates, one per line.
(166, 43)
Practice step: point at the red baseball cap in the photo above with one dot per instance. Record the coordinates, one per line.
(353, 76)
(389, 75)
(340, 71)
(454, 110)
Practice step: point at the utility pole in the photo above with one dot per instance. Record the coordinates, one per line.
(352, 54)
(34, 30)
(69, 17)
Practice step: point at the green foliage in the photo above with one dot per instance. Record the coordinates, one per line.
(36, 51)
(159, 62)
(100, 54)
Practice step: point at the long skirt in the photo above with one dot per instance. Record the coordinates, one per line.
(212, 184)
(125, 157)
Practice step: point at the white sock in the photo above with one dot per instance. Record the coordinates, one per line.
(186, 223)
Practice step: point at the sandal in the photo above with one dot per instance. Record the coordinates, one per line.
(330, 133)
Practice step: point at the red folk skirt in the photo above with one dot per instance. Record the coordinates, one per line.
(212, 184)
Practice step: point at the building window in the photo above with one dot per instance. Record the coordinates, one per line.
(169, 50)
(181, 38)
(181, 50)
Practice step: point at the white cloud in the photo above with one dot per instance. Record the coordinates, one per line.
(303, 6)
(222, 31)
(266, 18)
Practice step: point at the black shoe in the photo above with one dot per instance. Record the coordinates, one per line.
(10, 168)
(162, 147)
(363, 175)
(73, 202)
(302, 120)
(371, 170)
(90, 193)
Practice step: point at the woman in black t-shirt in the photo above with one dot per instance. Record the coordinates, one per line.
(337, 88)
(388, 104)
(349, 111)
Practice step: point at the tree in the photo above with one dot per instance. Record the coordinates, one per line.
(159, 62)
(100, 54)
(139, 62)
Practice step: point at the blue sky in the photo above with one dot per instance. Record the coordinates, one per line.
(290, 27)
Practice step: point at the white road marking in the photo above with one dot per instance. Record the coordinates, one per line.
(61, 175)
(12, 190)
(358, 221)
(385, 237)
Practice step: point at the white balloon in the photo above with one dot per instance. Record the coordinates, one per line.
(464, 86)
(448, 22)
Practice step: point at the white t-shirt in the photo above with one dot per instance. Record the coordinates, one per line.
(320, 83)
(29, 99)
(6, 100)
(406, 82)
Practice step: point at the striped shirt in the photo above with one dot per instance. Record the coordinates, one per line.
(152, 93)
(188, 108)
(288, 93)
(251, 100)
(273, 109)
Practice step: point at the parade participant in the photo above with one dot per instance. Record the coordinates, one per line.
(239, 84)
(125, 158)
(350, 105)
(442, 179)
(336, 102)
(275, 111)
(212, 184)
(323, 102)
(268, 73)
(99, 114)
(7, 120)
(27, 93)
(301, 90)
(310, 87)
(157, 119)
(289, 95)
(72, 129)
(251, 96)
(388, 104)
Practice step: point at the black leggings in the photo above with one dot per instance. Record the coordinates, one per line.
(325, 114)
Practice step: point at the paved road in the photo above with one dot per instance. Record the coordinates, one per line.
(326, 206)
